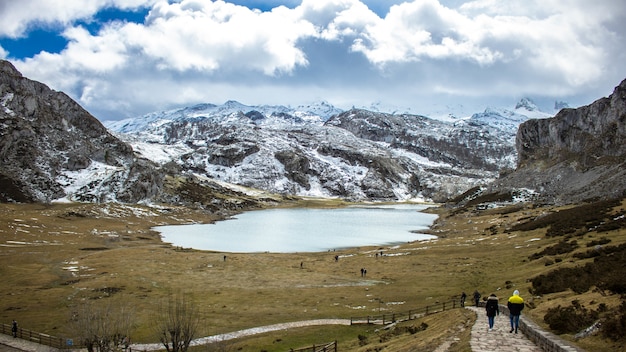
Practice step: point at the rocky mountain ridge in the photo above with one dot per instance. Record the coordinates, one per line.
(578, 155)
(356, 154)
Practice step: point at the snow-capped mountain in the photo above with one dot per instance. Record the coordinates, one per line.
(313, 113)
(319, 150)
(507, 120)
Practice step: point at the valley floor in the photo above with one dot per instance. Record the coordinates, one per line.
(55, 258)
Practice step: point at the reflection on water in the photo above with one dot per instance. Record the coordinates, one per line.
(305, 229)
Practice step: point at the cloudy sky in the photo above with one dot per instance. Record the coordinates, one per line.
(124, 58)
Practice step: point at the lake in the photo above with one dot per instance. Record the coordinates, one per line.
(305, 229)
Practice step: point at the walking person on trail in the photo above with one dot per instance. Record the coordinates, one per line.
(463, 297)
(476, 297)
(515, 304)
(14, 329)
(493, 309)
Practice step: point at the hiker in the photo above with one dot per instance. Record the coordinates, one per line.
(476, 298)
(515, 304)
(463, 297)
(14, 329)
(492, 308)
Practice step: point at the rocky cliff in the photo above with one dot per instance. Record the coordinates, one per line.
(47, 141)
(578, 154)
(591, 135)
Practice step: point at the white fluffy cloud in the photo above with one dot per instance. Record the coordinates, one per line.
(191, 51)
(17, 16)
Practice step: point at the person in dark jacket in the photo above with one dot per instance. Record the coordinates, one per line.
(492, 308)
(476, 298)
(515, 304)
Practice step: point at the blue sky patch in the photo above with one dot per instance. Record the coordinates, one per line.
(38, 40)
(110, 14)
(50, 39)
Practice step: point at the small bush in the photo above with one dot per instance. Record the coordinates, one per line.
(559, 248)
(573, 221)
(570, 319)
(600, 242)
(579, 279)
(606, 272)
(615, 325)
(363, 340)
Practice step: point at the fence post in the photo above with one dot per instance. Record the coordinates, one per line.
(426, 310)
(444, 306)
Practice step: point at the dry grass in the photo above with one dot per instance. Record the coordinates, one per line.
(52, 257)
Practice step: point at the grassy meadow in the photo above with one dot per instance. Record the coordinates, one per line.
(53, 257)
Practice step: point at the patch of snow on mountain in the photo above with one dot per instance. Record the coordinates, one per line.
(73, 181)
(230, 111)
(508, 120)
(160, 153)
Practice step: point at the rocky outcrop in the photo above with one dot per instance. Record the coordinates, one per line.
(46, 139)
(578, 154)
(591, 135)
(463, 146)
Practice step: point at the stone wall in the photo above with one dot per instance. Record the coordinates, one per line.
(547, 341)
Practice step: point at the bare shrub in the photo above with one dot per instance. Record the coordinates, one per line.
(102, 325)
(176, 323)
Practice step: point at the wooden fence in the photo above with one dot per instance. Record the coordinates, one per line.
(388, 318)
(325, 347)
(43, 339)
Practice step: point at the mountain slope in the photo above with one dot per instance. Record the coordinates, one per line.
(577, 155)
(50, 147)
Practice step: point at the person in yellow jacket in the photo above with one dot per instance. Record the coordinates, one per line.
(515, 304)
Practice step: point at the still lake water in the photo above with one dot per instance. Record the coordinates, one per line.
(305, 229)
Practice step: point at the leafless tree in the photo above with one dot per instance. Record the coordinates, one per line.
(103, 325)
(177, 323)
